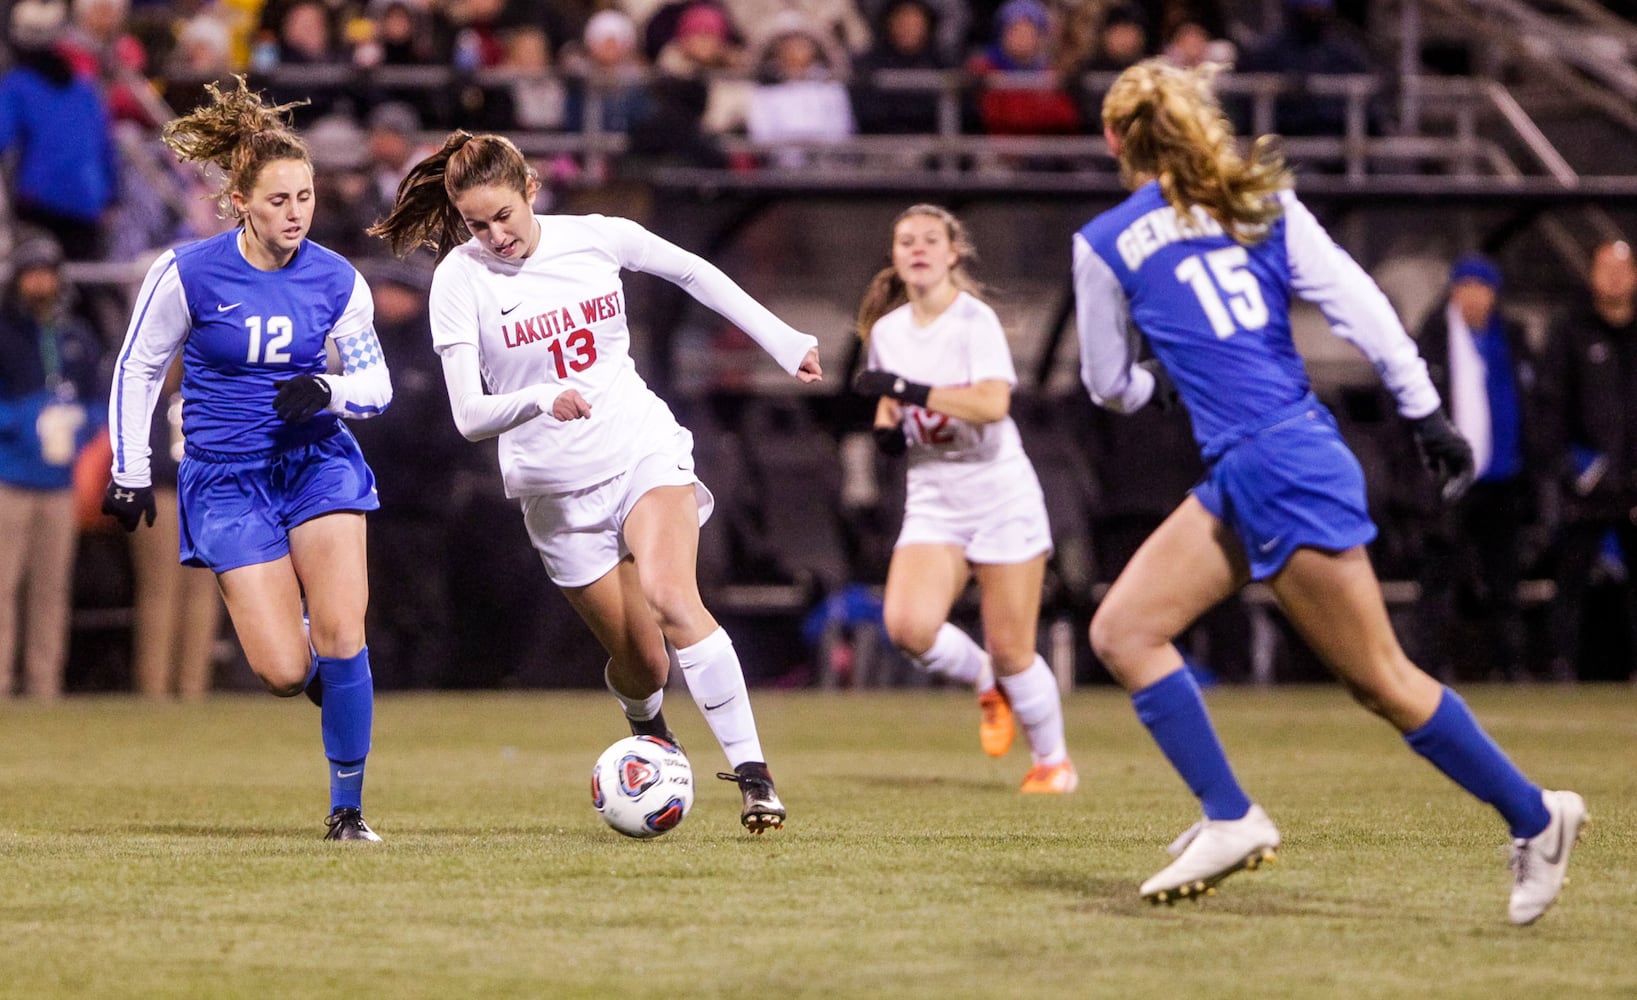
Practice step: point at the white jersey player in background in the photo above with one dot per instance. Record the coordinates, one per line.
(938, 359)
(529, 316)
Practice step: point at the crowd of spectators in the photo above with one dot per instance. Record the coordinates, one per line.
(88, 82)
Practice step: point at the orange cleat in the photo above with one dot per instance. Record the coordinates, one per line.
(1051, 779)
(997, 728)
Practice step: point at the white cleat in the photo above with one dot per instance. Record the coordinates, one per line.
(1540, 864)
(1210, 851)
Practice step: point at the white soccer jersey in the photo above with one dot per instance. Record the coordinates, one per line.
(965, 345)
(557, 320)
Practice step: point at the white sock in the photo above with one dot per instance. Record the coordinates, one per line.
(1039, 708)
(717, 683)
(636, 709)
(956, 656)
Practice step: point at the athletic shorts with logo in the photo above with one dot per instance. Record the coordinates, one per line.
(580, 534)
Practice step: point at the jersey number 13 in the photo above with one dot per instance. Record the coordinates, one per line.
(1233, 300)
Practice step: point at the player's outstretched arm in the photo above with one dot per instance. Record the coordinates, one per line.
(641, 250)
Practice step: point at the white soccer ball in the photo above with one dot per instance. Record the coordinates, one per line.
(642, 786)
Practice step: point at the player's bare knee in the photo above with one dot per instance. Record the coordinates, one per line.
(909, 634)
(337, 640)
(676, 604)
(285, 682)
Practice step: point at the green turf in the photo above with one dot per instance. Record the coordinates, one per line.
(173, 851)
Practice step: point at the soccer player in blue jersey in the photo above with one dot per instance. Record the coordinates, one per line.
(1203, 259)
(272, 489)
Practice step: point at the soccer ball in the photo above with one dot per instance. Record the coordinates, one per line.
(642, 786)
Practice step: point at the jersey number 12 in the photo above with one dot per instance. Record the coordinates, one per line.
(280, 331)
(1244, 308)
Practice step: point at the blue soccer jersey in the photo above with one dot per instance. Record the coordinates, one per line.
(240, 331)
(1217, 313)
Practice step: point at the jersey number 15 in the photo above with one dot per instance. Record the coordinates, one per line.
(1233, 301)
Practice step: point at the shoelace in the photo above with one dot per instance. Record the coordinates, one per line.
(1519, 861)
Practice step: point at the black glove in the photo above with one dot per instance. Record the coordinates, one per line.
(873, 382)
(1165, 397)
(1445, 453)
(301, 398)
(129, 504)
(890, 440)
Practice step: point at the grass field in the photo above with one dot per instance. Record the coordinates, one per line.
(173, 851)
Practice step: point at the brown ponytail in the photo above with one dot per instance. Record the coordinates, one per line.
(886, 290)
(1172, 129)
(424, 213)
(239, 134)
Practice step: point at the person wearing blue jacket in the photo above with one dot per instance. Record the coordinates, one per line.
(50, 408)
(66, 178)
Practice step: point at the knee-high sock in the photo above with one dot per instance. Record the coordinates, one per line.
(717, 683)
(957, 657)
(1455, 744)
(1038, 706)
(1174, 713)
(346, 717)
(636, 709)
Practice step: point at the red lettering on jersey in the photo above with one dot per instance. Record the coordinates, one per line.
(600, 308)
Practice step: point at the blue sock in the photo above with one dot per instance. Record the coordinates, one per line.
(1174, 713)
(1458, 746)
(346, 716)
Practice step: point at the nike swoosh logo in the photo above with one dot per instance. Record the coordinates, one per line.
(504, 312)
(1268, 545)
(223, 309)
(349, 774)
(1557, 849)
(712, 708)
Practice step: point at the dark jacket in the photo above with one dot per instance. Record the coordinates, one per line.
(1591, 387)
(1526, 381)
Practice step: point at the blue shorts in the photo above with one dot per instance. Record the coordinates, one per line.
(238, 511)
(1286, 486)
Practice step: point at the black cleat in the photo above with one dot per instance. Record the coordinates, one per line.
(654, 727)
(762, 806)
(348, 824)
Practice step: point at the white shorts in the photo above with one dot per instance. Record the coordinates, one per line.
(1011, 530)
(580, 534)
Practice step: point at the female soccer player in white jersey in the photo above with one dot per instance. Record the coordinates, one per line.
(939, 361)
(1203, 258)
(529, 316)
(272, 488)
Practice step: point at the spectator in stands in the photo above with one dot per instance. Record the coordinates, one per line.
(688, 87)
(1022, 44)
(839, 20)
(393, 147)
(949, 22)
(400, 34)
(660, 26)
(49, 410)
(1480, 362)
(798, 94)
(904, 40)
(178, 609)
(1122, 39)
(1311, 43)
(66, 177)
(1190, 45)
(1593, 408)
(204, 50)
(98, 47)
(608, 61)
